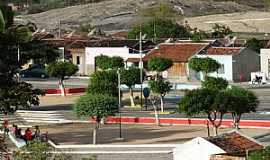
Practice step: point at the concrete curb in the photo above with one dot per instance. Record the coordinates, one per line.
(187, 121)
(67, 90)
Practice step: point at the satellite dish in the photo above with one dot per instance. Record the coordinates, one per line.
(91, 33)
(43, 30)
(168, 40)
(35, 32)
(144, 36)
(70, 34)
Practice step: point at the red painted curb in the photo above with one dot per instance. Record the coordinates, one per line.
(67, 90)
(185, 121)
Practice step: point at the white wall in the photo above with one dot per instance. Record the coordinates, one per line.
(265, 56)
(196, 149)
(92, 52)
(226, 60)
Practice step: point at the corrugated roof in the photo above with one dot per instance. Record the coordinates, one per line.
(179, 52)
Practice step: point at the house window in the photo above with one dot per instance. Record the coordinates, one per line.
(78, 58)
(221, 69)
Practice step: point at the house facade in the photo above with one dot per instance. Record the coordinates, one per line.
(237, 63)
(179, 53)
(265, 62)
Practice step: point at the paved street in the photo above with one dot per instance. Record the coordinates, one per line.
(51, 83)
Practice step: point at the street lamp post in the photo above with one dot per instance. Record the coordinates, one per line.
(18, 56)
(141, 67)
(119, 103)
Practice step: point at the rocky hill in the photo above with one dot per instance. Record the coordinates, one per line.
(117, 15)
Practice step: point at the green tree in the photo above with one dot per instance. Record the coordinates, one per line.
(7, 15)
(36, 150)
(104, 82)
(254, 44)
(204, 101)
(130, 77)
(2, 22)
(215, 83)
(14, 94)
(161, 88)
(220, 31)
(21, 95)
(159, 28)
(105, 62)
(159, 64)
(263, 154)
(97, 107)
(242, 101)
(198, 35)
(61, 70)
(204, 65)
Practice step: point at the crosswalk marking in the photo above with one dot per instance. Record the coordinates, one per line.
(52, 117)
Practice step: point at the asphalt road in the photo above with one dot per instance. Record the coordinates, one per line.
(263, 93)
(52, 83)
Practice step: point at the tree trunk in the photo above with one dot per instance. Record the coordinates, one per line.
(215, 130)
(95, 133)
(131, 97)
(238, 117)
(161, 104)
(208, 129)
(62, 88)
(156, 113)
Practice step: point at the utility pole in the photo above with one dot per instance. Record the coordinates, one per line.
(59, 29)
(18, 56)
(141, 67)
(119, 103)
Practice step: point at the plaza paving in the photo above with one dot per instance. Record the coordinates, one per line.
(133, 133)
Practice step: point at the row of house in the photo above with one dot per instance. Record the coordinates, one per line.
(237, 61)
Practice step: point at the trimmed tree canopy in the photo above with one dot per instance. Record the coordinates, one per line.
(159, 64)
(245, 100)
(96, 106)
(130, 76)
(105, 62)
(160, 87)
(104, 82)
(61, 69)
(205, 65)
(197, 101)
(215, 83)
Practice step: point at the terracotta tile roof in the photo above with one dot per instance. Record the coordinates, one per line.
(234, 142)
(179, 52)
(223, 50)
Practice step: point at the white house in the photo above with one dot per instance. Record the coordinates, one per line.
(228, 144)
(196, 149)
(92, 52)
(237, 63)
(265, 62)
